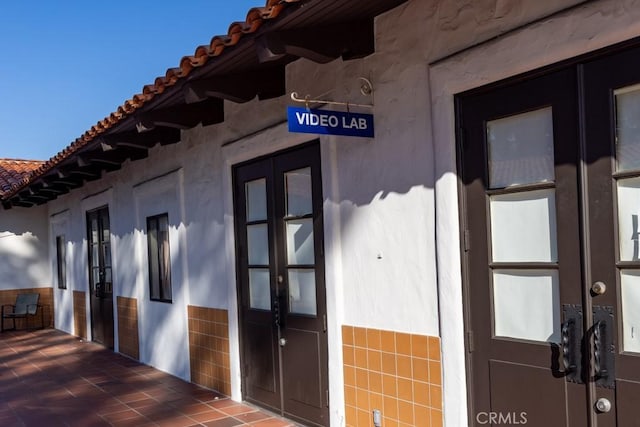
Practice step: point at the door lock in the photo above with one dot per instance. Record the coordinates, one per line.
(603, 405)
(599, 288)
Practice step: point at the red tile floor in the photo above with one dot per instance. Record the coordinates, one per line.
(49, 378)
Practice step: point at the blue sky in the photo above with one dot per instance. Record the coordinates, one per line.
(65, 65)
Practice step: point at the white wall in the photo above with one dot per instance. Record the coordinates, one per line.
(385, 199)
(24, 248)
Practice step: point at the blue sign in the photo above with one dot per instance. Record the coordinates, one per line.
(330, 122)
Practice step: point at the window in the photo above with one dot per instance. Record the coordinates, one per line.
(61, 260)
(159, 259)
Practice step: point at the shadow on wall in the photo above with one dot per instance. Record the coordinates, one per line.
(24, 240)
(23, 262)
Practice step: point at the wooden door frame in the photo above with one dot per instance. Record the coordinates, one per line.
(318, 243)
(565, 180)
(598, 164)
(111, 341)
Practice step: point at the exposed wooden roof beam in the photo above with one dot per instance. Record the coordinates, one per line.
(207, 112)
(321, 44)
(242, 87)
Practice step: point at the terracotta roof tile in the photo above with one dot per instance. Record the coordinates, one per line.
(13, 172)
(218, 44)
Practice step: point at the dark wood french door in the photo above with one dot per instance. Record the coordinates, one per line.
(550, 194)
(279, 232)
(100, 276)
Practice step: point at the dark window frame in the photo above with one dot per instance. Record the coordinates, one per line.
(61, 261)
(159, 258)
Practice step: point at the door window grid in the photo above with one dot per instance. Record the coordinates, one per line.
(257, 229)
(159, 258)
(300, 250)
(522, 229)
(627, 177)
(61, 261)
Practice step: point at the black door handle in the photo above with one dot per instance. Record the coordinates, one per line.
(599, 350)
(568, 337)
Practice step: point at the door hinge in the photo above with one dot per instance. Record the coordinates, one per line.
(470, 341)
(326, 395)
(467, 240)
(324, 323)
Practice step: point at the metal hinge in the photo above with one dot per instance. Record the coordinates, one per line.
(326, 394)
(324, 323)
(470, 341)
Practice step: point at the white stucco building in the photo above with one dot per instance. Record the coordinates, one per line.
(442, 272)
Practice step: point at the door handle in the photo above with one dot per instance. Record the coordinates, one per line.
(98, 290)
(568, 336)
(603, 357)
(599, 350)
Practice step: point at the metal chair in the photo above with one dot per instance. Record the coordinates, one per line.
(26, 307)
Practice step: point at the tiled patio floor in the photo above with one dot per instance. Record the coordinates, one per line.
(48, 378)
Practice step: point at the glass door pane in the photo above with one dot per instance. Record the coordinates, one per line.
(526, 304)
(523, 226)
(523, 230)
(298, 192)
(521, 149)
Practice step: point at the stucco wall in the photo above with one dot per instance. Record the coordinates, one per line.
(24, 251)
(576, 31)
(385, 199)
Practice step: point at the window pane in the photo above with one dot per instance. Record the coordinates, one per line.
(94, 228)
(628, 128)
(106, 248)
(61, 261)
(95, 257)
(521, 149)
(523, 227)
(154, 268)
(302, 291)
(259, 289)
(628, 222)
(298, 191)
(256, 200)
(258, 244)
(159, 257)
(164, 266)
(106, 233)
(526, 304)
(630, 296)
(300, 242)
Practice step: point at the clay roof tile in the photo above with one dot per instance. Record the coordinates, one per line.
(14, 172)
(254, 19)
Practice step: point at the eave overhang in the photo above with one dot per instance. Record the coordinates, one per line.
(246, 63)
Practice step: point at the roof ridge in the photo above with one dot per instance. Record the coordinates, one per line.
(6, 159)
